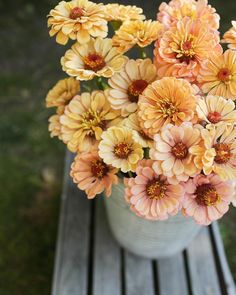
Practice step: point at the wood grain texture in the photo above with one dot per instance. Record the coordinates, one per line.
(107, 258)
(138, 275)
(203, 274)
(70, 277)
(172, 276)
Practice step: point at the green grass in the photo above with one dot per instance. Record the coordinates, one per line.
(31, 164)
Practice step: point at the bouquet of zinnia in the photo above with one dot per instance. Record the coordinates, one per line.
(164, 125)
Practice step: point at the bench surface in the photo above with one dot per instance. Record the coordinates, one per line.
(90, 262)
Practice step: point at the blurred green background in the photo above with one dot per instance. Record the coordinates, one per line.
(31, 164)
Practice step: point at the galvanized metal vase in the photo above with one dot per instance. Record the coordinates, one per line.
(150, 239)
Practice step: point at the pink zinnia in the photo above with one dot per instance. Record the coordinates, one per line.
(150, 195)
(207, 198)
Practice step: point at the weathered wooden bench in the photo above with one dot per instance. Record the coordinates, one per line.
(90, 262)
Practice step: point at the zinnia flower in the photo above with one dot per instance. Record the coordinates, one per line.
(151, 195)
(218, 75)
(230, 36)
(118, 148)
(129, 83)
(172, 151)
(217, 153)
(54, 126)
(92, 175)
(123, 13)
(132, 122)
(96, 58)
(207, 198)
(215, 110)
(182, 49)
(176, 10)
(77, 20)
(141, 33)
(61, 94)
(165, 101)
(84, 120)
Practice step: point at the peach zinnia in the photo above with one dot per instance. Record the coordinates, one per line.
(176, 10)
(217, 153)
(77, 20)
(84, 120)
(123, 13)
(129, 83)
(215, 110)
(207, 198)
(230, 36)
(54, 126)
(182, 49)
(96, 58)
(151, 196)
(118, 148)
(141, 33)
(218, 75)
(172, 152)
(92, 175)
(61, 94)
(165, 101)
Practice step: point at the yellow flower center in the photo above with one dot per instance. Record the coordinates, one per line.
(135, 89)
(90, 120)
(224, 75)
(122, 150)
(206, 195)
(167, 109)
(214, 117)
(180, 151)
(94, 62)
(99, 169)
(76, 12)
(156, 189)
(223, 153)
(185, 50)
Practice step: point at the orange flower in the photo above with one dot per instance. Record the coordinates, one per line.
(123, 13)
(92, 175)
(218, 75)
(77, 20)
(176, 10)
(182, 49)
(230, 36)
(165, 101)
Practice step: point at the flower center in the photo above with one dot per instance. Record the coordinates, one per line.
(99, 169)
(167, 109)
(135, 89)
(214, 117)
(180, 151)
(224, 75)
(185, 50)
(76, 12)
(90, 120)
(206, 195)
(94, 62)
(223, 153)
(156, 189)
(122, 150)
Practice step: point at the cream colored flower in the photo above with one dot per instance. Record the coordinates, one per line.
(129, 83)
(123, 13)
(139, 135)
(165, 101)
(230, 36)
(77, 20)
(217, 153)
(118, 148)
(96, 58)
(141, 33)
(215, 110)
(60, 95)
(54, 126)
(85, 119)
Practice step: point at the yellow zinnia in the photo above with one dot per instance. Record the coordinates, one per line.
(123, 13)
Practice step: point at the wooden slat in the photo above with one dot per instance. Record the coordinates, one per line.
(203, 275)
(107, 258)
(71, 266)
(172, 276)
(138, 275)
(225, 274)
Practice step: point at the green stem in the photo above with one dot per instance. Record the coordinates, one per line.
(101, 84)
(143, 53)
(130, 174)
